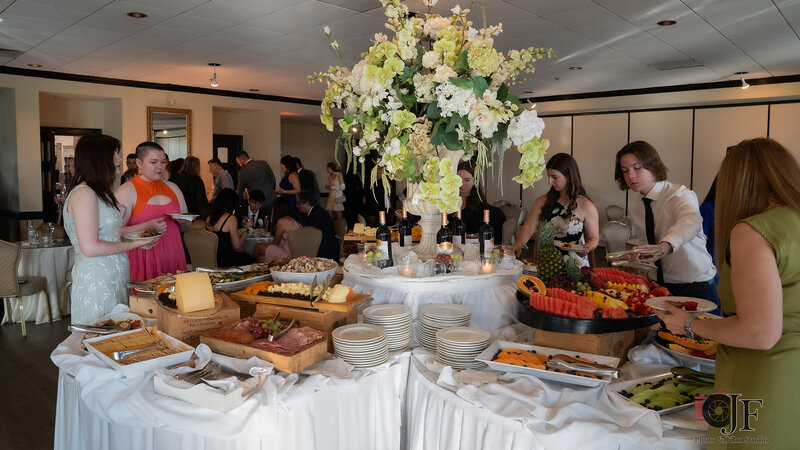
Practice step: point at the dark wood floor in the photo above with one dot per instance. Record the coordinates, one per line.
(29, 383)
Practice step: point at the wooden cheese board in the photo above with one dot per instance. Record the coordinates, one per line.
(295, 303)
(285, 363)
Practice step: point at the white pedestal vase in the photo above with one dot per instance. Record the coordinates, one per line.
(430, 216)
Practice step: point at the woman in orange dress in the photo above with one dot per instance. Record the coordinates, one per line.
(148, 201)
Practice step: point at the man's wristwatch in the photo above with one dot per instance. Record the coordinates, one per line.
(687, 328)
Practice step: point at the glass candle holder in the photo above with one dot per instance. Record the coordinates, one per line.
(487, 266)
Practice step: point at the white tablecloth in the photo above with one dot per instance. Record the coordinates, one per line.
(97, 409)
(491, 297)
(517, 411)
(52, 263)
(250, 243)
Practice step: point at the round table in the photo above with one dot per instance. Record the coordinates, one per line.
(52, 263)
(251, 240)
(490, 297)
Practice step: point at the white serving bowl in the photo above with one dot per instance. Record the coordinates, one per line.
(298, 277)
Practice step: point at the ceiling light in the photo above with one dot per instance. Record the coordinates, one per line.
(34, 65)
(667, 23)
(575, 68)
(214, 76)
(254, 90)
(137, 15)
(164, 132)
(745, 85)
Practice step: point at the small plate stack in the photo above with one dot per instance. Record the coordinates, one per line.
(395, 320)
(361, 345)
(458, 347)
(436, 316)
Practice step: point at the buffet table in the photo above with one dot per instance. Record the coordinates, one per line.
(52, 263)
(491, 297)
(99, 409)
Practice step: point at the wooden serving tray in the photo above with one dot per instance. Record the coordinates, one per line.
(320, 305)
(285, 363)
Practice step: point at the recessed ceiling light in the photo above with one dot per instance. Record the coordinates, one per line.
(137, 15)
(528, 92)
(253, 90)
(34, 65)
(575, 68)
(667, 23)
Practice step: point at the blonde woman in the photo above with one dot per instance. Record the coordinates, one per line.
(335, 185)
(757, 243)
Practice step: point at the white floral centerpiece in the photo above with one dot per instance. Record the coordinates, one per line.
(437, 84)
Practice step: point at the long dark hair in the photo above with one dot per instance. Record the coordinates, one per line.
(567, 166)
(224, 202)
(474, 198)
(94, 165)
(280, 209)
(290, 162)
(712, 192)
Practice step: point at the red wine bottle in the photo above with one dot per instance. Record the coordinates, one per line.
(383, 240)
(459, 229)
(486, 237)
(404, 230)
(444, 238)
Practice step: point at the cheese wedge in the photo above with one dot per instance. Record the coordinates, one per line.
(339, 294)
(193, 292)
(358, 228)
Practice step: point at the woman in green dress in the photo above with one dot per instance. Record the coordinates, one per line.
(758, 252)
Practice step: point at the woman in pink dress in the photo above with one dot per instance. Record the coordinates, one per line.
(284, 222)
(147, 201)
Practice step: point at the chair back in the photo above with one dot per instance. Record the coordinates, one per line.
(615, 234)
(340, 227)
(9, 265)
(202, 247)
(615, 212)
(304, 242)
(511, 225)
(361, 219)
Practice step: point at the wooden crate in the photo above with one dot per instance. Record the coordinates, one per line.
(325, 321)
(189, 329)
(143, 304)
(285, 363)
(607, 344)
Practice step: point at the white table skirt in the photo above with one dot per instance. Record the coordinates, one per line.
(250, 243)
(492, 297)
(310, 413)
(52, 263)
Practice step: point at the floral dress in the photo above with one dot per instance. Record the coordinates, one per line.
(568, 228)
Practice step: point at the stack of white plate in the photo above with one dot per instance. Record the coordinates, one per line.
(436, 316)
(361, 344)
(395, 320)
(458, 346)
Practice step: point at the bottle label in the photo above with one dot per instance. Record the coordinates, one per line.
(457, 240)
(488, 248)
(446, 247)
(383, 247)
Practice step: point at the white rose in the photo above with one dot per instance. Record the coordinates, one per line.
(443, 73)
(431, 59)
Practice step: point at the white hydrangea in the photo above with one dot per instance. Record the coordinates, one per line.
(423, 88)
(525, 127)
(453, 99)
(393, 148)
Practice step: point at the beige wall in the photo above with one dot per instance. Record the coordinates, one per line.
(313, 144)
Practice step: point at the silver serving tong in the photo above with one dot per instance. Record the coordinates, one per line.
(120, 355)
(322, 291)
(687, 374)
(579, 366)
(110, 329)
(223, 270)
(274, 320)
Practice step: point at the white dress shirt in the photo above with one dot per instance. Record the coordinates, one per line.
(677, 221)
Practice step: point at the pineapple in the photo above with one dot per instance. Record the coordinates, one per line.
(551, 262)
(573, 270)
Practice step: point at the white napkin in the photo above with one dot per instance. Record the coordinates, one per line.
(335, 367)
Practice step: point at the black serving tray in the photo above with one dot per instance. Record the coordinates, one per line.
(549, 322)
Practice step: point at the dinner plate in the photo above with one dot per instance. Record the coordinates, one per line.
(571, 246)
(703, 305)
(189, 217)
(705, 364)
(358, 332)
(463, 335)
(135, 236)
(445, 311)
(381, 312)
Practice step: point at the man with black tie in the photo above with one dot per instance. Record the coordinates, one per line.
(308, 181)
(255, 175)
(254, 211)
(319, 218)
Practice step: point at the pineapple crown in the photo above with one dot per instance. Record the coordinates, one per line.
(546, 235)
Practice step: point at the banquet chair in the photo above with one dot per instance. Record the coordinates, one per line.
(13, 287)
(615, 212)
(340, 227)
(615, 235)
(304, 242)
(202, 247)
(511, 226)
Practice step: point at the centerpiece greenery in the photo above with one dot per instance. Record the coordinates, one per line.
(438, 83)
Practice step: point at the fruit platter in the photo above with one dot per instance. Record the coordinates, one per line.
(692, 352)
(664, 393)
(600, 300)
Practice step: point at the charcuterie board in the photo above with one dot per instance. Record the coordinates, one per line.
(320, 305)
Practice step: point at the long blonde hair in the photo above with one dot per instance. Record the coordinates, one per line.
(755, 172)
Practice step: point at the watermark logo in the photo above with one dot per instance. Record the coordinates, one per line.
(721, 410)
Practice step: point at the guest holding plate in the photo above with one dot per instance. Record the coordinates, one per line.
(147, 202)
(757, 218)
(566, 206)
(93, 220)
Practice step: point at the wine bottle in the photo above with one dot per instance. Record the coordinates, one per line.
(383, 240)
(486, 237)
(404, 230)
(459, 229)
(444, 238)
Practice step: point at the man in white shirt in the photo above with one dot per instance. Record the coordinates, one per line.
(222, 179)
(254, 215)
(674, 224)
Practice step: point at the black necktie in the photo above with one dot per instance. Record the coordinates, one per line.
(650, 228)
